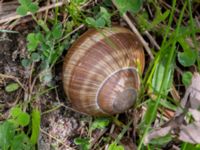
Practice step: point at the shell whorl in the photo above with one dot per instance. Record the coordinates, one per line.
(92, 62)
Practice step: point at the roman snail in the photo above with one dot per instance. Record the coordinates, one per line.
(100, 71)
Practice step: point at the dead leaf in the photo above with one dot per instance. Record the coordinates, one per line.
(190, 133)
(191, 98)
(195, 91)
(157, 133)
(195, 114)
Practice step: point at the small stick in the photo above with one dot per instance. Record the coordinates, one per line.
(132, 26)
(13, 78)
(59, 141)
(15, 16)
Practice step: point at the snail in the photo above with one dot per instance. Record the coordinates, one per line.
(101, 71)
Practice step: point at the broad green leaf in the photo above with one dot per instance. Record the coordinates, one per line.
(23, 119)
(158, 77)
(35, 57)
(32, 42)
(187, 78)
(26, 6)
(35, 126)
(21, 142)
(15, 111)
(25, 2)
(25, 63)
(21, 10)
(12, 87)
(57, 31)
(33, 7)
(83, 143)
(100, 123)
(90, 21)
(7, 131)
(100, 22)
(187, 58)
(128, 5)
(114, 146)
(105, 15)
(102, 19)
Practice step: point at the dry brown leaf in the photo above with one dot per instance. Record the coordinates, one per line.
(195, 114)
(190, 133)
(195, 91)
(192, 95)
(157, 133)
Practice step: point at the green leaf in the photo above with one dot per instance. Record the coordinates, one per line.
(25, 2)
(100, 22)
(12, 87)
(15, 111)
(161, 140)
(32, 42)
(159, 18)
(33, 7)
(7, 131)
(23, 119)
(25, 63)
(114, 146)
(83, 143)
(26, 6)
(19, 117)
(35, 57)
(148, 112)
(100, 123)
(187, 78)
(105, 15)
(158, 76)
(90, 21)
(128, 5)
(43, 25)
(21, 142)
(57, 31)
(35, 126)
(103, 19)
(187, 58)
(21, 10)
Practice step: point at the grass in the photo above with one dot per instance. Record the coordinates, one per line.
(53, 35)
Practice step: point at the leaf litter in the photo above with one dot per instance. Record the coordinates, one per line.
(187, 117)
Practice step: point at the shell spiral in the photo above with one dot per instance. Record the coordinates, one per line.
(100, 71)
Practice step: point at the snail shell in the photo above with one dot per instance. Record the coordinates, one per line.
(100, 71)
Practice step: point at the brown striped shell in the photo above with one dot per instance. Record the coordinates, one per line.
(100, 71)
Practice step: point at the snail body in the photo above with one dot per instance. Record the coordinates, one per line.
(100, 71)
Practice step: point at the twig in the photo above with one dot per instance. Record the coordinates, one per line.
(14, 15)
(153, 41)
(98, 137)
(13, 78)
(66, 36)
(132, 26)
(59, 141)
